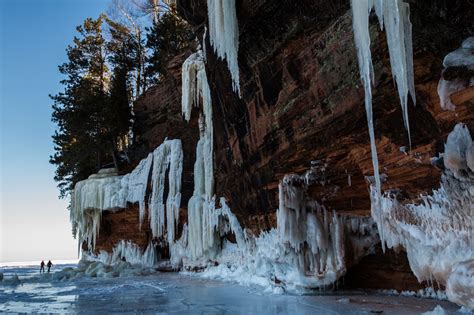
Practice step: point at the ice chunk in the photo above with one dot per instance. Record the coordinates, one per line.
(460, 285)
(461, 57)
(457, 150)
(438, 310)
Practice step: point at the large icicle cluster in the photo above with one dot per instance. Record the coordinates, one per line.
(314, 234)
(201, 205)
(108, 191)
(131, 253)
(308, 247)
(167, 157)
(394, 15)
(224, 35)
(306, 250)
(461, 57)
(99, 192)
(437, 232)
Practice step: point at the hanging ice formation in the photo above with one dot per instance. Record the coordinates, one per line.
(394, 15)
(315, 235)
(437, 233)
(306, 250)
(168, 156)
(224, 35)
(108, 191)
(461, 57)
(201, 206)
(131, 253)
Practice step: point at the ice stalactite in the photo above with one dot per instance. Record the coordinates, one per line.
(108, 191)
(136, 183)
(131, 253)
(306, 250)
(90, 197)
(394, 15)
(463, 57)
(167, 157)
(437, 232)
(224, 35)
(360, 19)
(316, 236)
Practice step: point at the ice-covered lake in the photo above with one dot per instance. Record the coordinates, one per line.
(185, 294)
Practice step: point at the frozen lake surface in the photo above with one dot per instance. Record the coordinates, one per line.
(176, 293)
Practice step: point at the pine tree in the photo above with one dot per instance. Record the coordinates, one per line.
(168, 37)
(89, 116)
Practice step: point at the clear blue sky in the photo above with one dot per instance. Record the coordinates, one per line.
(34, 34)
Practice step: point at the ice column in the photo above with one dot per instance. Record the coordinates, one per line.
(201, 205)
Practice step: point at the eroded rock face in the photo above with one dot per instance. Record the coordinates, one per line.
(302, 101)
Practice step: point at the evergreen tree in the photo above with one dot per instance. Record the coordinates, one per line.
(168, 37)
(90, 119)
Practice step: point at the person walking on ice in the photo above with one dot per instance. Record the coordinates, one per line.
(49, 265)
(42, 266)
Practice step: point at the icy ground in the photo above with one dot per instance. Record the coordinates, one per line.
(184, 294)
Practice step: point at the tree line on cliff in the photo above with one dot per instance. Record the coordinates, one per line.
(111, 62)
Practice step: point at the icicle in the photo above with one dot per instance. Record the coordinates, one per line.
(191, 66)
(394, 16)
(131, 253)
(135, 185)
(168, 156)
(360, 19)
(224, 35)
(398, 30)
(304, 224)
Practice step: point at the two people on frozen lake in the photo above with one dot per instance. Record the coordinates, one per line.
(49, 265)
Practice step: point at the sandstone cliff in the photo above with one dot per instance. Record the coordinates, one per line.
(302, 104)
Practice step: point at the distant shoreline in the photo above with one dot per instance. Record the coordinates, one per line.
(37, 262)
